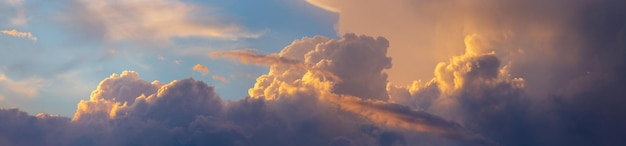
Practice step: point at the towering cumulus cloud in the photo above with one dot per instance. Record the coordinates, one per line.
(296, 103)
(355, 63)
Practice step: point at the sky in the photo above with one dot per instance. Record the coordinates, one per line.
(312, 72)
(84, 44)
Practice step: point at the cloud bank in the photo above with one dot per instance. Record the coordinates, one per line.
(305, 107)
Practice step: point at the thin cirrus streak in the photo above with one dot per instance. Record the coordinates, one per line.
(16, 33)
(220, 78)
(248, 57)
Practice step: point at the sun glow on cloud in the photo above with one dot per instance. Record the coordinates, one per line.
(16, 33)
(201, 68)
(402, 72)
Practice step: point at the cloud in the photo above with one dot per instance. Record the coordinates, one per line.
(247, 57)
(419, 31)
(347, 62)
(396, 115)
(567, 55)
(16, 33)
(19, 13)
(149, 21)
(189, 112)
(201, 68)
(322, 91)
(27, 88)
(114, 92)
(19, 128)
(307, 108)
(476, 91)
(339, 56)
(220, 78)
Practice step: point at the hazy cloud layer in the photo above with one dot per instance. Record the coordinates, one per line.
(12, 91)
(15, 10)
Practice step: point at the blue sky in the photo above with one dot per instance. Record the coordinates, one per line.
(67, 60)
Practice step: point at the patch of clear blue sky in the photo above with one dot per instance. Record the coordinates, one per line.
(72, 65)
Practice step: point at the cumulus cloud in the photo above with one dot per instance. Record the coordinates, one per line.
(16, 33)
(201, 68)
(189, 112)
(568, 55)
(339, 56)
(474, 89)
(355, 63)
(306, 108)
(152, 21)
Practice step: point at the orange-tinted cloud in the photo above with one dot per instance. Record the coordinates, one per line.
(248, 57)
(16, 33)
(220, 78)
(28, 88)
(201, 68)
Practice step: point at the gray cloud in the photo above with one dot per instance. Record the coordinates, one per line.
(189, 112)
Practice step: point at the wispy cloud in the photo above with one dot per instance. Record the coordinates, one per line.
(248, 57)
(19, 15)
(152, 21)
(23, 88)
(220, 78)
(16, 33)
